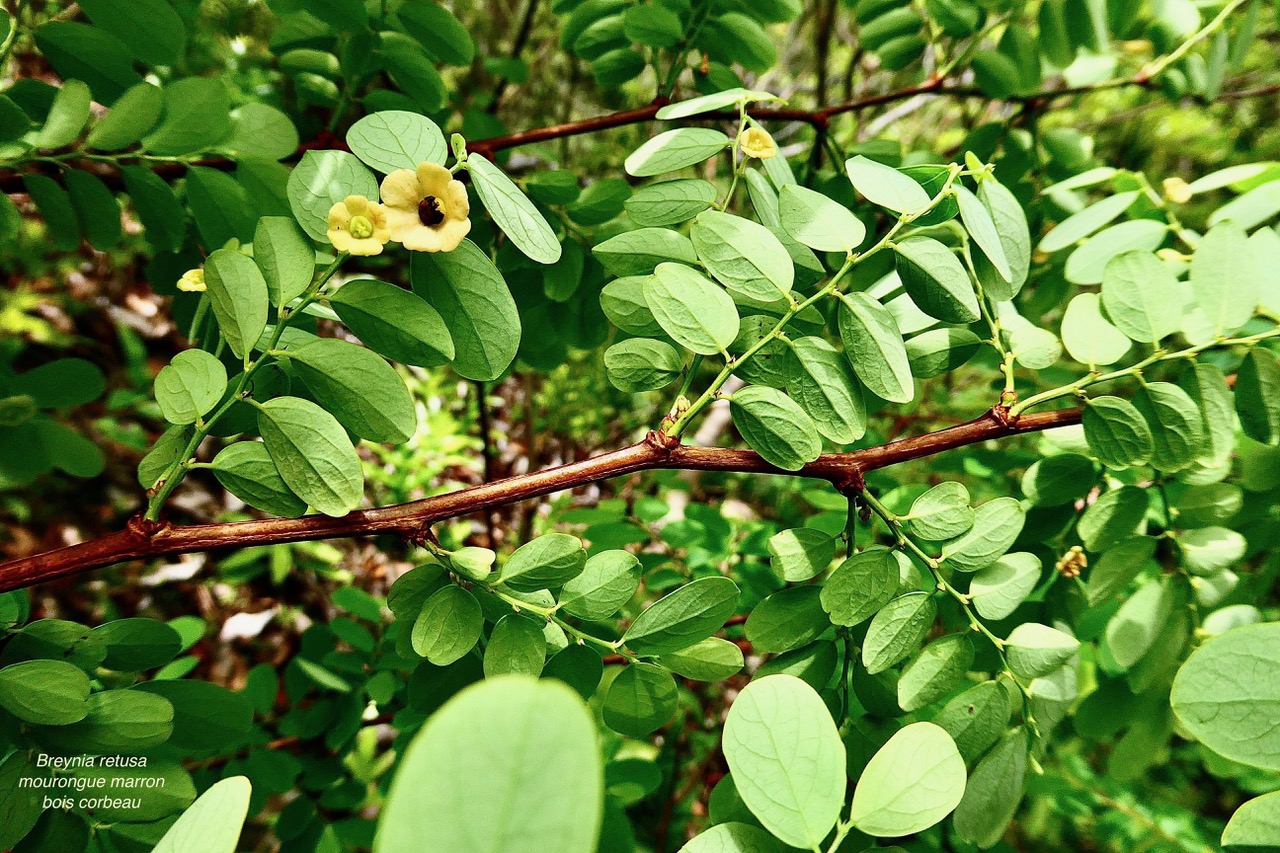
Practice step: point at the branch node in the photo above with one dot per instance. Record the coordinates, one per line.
(662, 441)
(423, 537)
(146, 528)
(1002, 416)
(850, 483)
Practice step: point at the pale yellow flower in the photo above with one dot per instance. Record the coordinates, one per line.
(192, 281)
(358, 226)
(756, 142)
(1177, 190)
(426, 208)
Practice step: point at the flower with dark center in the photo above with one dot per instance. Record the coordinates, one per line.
(427, 209)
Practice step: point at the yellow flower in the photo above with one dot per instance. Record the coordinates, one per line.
(426, 208)
(1177, 190)
(358, 226)
(192, 281)
(756, 142)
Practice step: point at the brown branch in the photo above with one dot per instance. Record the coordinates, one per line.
(412, 520)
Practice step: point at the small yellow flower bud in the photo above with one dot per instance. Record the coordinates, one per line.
(1171, 255)
(756, 142)
(192, 281)
(1177, 190)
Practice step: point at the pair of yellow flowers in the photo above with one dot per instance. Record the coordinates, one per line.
(426, 210)
(423, 209)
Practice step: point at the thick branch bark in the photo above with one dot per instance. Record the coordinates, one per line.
(412, 520)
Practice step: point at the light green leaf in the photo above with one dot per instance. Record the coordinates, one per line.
(1138, 291)
(1079, 225)
(130, 117)
(1207, 551)
(394, 322)
(1223, 278)
(1258, 396)
(692, 613)
(713, 102)
(691, 309)
(995, 788)
(197, 116)
(998, 589)
(775, 426)
(285, 257)
(67, 116)
(911, 783)
(1112, 518)
(670, 202)
(935, 671)
(712, 659)
(800, 553)
(996, 525)
(548, 562)
(886, 186)
(472, 298)
(259, 132)
(1135, 626)
(860, 586)
(1034, 650)
(247, 471)
(515, 646)
(1251, 209)
(641, 699)
(45, 692)
(1088, 263)
(733, 838)
(1227, 695)
(1088, 336)
(982, 228)
(675, 149)
(190, 386)
(605, 584)
(641, 364)
(743, 255)
(1255, 825)
(897, 630)
(976, 717)
(313, 454)
(875, 347)
(936, 280)
(1117, 433)
(1206, 385)
(942, 513)
(358, 387)
(397, 139)
(817, 221)
(447, 626)
(513, 212)
(788, 619)
(787, 758)
(638, 252)
(1177, 426)
(821, 381)
(474, 778)
(1015, 239)
(239, 298)
(213, 822)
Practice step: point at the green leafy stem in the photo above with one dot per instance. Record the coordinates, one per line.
(185, 461)
(683, 414)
